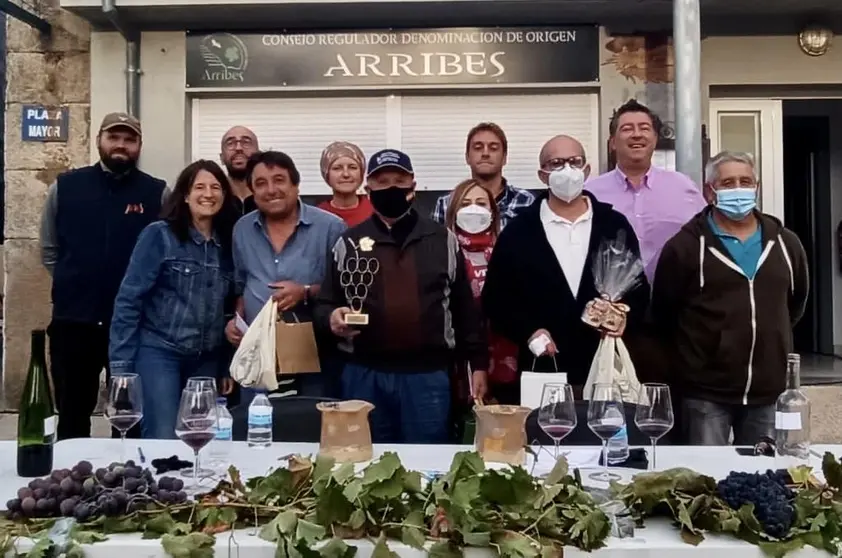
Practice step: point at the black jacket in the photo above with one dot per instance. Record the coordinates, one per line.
(728, 336)
(526, 290)
(98, 219)
(422, 315)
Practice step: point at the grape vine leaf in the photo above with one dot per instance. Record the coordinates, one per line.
(337, 548)
(513, 545)
(558, 472)
(412, 533)
(86, 537)
(194, 545)
(309, 532)
(444, 549)
(41, 549)
(381, 549)
(158, 525)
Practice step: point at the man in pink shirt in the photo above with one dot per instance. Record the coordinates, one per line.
(656, 202)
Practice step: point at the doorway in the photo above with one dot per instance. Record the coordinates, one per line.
(812, 187)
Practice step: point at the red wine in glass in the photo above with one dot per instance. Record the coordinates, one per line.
(558, 431)
(196, 440)
(654, 428)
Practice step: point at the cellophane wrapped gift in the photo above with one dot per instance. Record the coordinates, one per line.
(616, 270)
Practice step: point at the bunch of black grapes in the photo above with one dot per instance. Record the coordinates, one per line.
(83, 493)
(769, 493)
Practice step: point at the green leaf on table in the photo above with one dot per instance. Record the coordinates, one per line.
(746, 515)
(282, 524)
(480, 539)
(412, 530)
(309, 532)
(228, 516)
(344, 473)
(412, 481)
(41, 549)
(516, 488)
(464, 464)
(514, 545)
(74, 550)
(333, 506)
(801, 474)
(128, 524)
(778, 549)
(352, 490)
(194, 545)
(337, 548)
(558, 472)
(382, 469)
(381, 549)
(279, 485)
(86, 537)
(390, 489)
(691, 537)
(357, 519)
(444, 549)
(832, 470)
(465, 491)
(157, 525)
(323, 466)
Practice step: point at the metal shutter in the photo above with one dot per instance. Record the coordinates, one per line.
(300, 127)
(434, 129)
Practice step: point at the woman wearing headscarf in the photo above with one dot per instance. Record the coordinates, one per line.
(342, 166)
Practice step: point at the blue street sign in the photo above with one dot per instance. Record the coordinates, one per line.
(41, 123)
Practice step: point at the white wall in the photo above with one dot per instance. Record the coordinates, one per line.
(163, 103)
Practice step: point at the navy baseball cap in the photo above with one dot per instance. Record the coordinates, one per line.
(389, 159)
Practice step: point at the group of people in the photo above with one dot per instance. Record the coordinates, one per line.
(158, 281)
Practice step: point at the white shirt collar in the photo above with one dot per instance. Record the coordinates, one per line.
(549, 216)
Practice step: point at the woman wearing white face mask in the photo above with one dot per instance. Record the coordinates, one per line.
(474, 217)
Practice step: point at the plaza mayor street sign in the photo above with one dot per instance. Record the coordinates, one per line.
(464, 56)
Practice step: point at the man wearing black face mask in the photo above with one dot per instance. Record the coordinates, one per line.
(407, 274)
(90, 222)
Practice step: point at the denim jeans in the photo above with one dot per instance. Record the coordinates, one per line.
(710, 424)
(409, 408)
(163, 374)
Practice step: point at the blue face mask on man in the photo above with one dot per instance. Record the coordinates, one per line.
(736, 203)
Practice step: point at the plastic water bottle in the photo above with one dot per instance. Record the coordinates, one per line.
(220, 448)
(260, 422)
(618, 447)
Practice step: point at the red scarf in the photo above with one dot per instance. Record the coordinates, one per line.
(477, 251)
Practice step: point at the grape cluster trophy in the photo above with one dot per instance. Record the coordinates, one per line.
(356, 277)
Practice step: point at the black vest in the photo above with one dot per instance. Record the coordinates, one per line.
(99, 218)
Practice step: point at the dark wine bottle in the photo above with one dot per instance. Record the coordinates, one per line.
(36, 415)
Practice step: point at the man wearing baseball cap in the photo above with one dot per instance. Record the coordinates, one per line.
(90, 222)
(421, 314)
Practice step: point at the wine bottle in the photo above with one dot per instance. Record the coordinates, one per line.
(792, 419)
(36, 415)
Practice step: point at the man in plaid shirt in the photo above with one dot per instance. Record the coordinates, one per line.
(485, 152)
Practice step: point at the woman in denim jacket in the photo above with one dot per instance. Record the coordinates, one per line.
(169, 321)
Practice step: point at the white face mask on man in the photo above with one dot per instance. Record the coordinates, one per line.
(473, 219)
(567, 183)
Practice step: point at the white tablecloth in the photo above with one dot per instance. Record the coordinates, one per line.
(657, 540)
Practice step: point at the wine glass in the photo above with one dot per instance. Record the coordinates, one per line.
(557, 413)
(201, 382)
(196, 423)
(606, 418)
(654, 416)
(125, 405)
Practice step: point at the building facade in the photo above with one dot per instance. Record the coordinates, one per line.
(416, 76)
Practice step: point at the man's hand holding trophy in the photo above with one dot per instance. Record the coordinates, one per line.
(356, 277)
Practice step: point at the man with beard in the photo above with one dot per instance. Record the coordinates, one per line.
(238, 144)
(90, 223)
(486, 150)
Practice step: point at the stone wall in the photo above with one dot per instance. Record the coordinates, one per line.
(51, 71)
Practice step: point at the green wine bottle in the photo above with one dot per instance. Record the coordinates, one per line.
(36, 415)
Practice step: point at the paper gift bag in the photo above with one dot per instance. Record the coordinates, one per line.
(532, 384)
(295, 347)
(613, 365)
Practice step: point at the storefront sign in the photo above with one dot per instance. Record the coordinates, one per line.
(41, 123)
(515, 55)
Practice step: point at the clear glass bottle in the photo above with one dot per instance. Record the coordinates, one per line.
(792, 418)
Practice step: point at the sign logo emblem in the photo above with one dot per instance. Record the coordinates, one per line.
(226, 57)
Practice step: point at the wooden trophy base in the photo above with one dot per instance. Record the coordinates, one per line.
(356, 319)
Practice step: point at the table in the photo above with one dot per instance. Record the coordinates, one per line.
(658, 540)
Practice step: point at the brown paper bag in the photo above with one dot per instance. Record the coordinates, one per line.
(295, 347)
